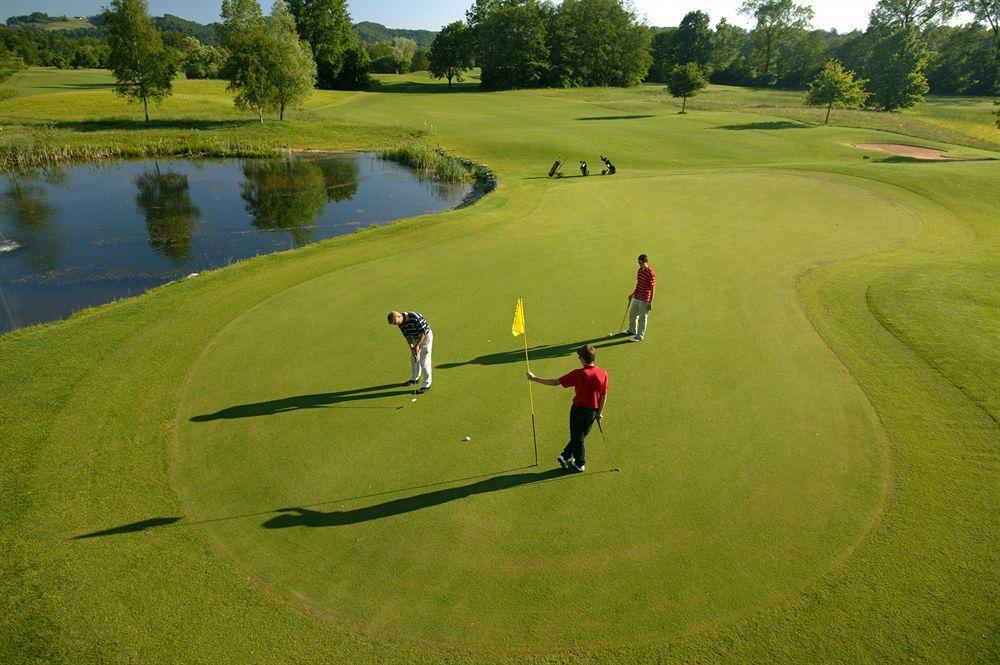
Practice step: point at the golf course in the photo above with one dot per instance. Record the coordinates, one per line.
(229, 469)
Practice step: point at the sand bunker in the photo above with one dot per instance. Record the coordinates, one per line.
(915, 151)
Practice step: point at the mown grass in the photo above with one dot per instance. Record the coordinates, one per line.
(808, 434)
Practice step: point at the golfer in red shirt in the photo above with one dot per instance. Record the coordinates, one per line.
(591, 384)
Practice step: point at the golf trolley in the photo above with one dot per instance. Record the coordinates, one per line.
(556, 170)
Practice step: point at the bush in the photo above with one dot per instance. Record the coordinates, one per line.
(426, 159)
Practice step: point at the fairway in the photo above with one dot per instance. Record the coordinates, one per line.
(228, 469)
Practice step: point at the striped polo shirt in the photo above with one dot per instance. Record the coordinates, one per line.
(413, 326)
(645, 280)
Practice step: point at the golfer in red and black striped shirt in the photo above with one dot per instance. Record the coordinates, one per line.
(641, 300)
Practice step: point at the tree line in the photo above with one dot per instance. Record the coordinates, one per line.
(906, 50)
(273, 62)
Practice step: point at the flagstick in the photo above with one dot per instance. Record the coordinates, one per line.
(531, 398)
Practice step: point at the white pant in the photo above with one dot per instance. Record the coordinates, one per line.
(421, 362)
(638, 315)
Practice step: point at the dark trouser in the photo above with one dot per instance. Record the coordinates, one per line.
(580, 421)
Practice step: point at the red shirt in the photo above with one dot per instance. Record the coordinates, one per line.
(591, 385)
(645, 280)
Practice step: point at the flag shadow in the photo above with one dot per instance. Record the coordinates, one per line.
(293, 517)
(534, 352)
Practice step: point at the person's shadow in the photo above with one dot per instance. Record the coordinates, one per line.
(536, 352)
(290, 517)
(313, 401)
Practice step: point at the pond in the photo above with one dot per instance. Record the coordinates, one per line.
(80, 236)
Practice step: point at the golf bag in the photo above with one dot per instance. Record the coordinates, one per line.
(583, 169)
(609, 167)
(554, 171)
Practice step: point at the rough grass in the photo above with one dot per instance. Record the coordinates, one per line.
(808, 435)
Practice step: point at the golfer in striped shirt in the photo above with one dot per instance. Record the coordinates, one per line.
(420, 339)
(641, 300)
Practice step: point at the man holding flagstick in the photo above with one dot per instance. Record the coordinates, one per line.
(591, 386)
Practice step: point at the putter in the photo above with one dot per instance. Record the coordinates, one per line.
(607, 447)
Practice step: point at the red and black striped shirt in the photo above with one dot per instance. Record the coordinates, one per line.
(645, 280)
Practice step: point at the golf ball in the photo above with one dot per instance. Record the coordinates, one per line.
(468, 438)
(414, 399)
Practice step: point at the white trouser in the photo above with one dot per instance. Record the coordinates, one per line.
(421, 362)
(638, 315)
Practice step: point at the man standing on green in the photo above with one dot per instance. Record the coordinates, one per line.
(591, 386)
(641, 300)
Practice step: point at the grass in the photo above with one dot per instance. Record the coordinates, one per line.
(808, 435)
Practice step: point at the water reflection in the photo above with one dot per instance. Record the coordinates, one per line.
(165, 201)
(340, 177)
(285, 195)
(25, 204)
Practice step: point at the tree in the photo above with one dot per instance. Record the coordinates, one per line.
(897, 14)
(404, 48)
(685, 81)
(248, 67)
(353, 69)
(597, 42)
(693, 40)
(661, 50)
(511, 47)
(326, 26)
(290, 63)
(895, 67)
(988, 12)
(200, 61)
(143, 67)
(421, 60)
(10, 68)
(835, 86)
(777, 21)
(727, 51)
(450, 55)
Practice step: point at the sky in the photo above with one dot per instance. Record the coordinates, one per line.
(843, 15)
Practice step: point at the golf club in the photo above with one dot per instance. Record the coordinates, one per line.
(607, 447)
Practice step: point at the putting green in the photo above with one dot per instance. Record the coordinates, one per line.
(752, 462)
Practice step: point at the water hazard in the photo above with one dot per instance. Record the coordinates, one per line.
(84, 235)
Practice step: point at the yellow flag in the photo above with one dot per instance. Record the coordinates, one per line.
(517, 328)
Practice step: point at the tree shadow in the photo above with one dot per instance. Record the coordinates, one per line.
(535, 352)
(77, 86)
(425, 88)
(165, 123)
(776, 124)
(906, 159)
(313, 401)
(292, 517)
(141, 525)
(615, 117)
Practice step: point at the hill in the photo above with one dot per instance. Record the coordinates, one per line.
(370, 33)
(42, 21)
